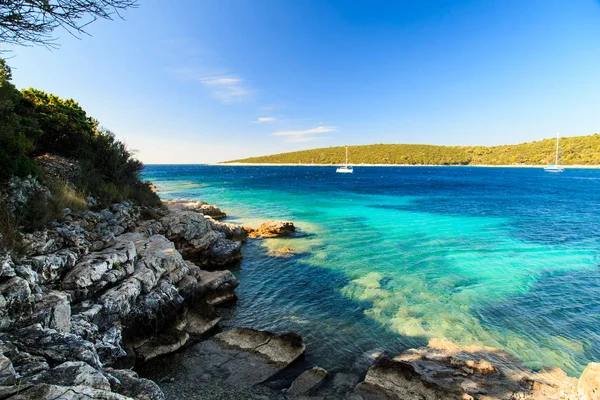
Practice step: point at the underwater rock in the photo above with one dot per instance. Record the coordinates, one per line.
(307, 381)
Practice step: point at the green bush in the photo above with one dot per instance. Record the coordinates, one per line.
(18, 129)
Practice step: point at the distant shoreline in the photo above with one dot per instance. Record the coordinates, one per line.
(398, 165)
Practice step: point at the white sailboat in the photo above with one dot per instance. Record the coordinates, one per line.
(346, 169)
(555, 167)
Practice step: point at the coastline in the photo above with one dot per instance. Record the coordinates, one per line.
(156, 307)
(393, 165)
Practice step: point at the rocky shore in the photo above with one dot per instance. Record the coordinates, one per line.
(92, 298)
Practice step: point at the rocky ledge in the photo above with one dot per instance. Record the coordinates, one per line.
(96, 292)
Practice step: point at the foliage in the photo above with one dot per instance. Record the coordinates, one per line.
(18, 128)
(33, 21)
(111, 173)
(579, 150)
(33, 122)
(65, 124)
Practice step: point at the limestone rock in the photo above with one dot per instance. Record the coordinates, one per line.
(198, 324)
(224, 251)
(54, 392)
(73, 373)
(162, 344)
(7, 267)
(217, 287)
(444, 370)
(55, 169)
(8, 376)
(233, 366)
(51, 267)
(272, 229)
(41, 242)
(231, 231)
(128, 383)
(99, 269)
(55, 346)
(16, 301)
(307, 381)
(589, 382)
(24, 364)
(196, 241)
(53, 311)
(280, 350)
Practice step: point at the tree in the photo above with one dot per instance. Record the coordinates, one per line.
(18, 128)
(32, 22)
(65, 124)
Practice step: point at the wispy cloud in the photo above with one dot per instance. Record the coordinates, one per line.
(227, 88)
(260, 120)
(305, 135)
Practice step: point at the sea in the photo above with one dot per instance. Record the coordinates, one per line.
(388, 257)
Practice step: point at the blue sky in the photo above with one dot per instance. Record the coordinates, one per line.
(205, 81)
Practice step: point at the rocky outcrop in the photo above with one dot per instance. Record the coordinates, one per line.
(100, 287)
(272, 229)
(444, 370)
(201, 207)
(195, 239)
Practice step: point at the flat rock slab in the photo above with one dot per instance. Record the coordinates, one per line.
(232, 361)
(307, 381)
(162, 344)
(280, 350)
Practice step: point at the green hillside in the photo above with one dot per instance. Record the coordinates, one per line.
(578, 150)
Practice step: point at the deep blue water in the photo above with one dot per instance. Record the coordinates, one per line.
(392, 256)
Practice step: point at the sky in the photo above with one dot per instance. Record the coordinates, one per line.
(192, 81)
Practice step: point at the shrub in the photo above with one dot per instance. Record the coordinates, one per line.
(9, 232)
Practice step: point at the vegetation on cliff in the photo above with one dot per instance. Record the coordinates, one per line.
(578, 150)
(34, 123)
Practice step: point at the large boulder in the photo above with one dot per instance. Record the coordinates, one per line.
(272, 229)
(307, 381)
(128, 383)
(444, 370)
(195, 239)
(280, 350)
(52, 311)
(16, 301)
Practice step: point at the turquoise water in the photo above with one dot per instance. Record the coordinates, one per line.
(390, 257)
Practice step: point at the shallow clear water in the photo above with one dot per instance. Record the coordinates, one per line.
(389, 256)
